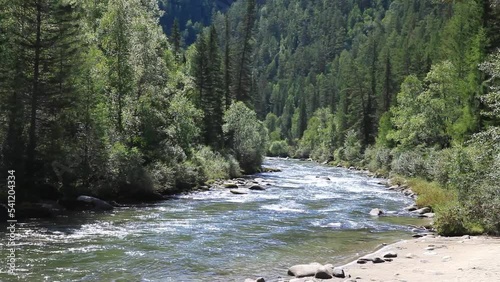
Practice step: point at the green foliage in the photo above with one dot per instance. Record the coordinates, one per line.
(384, 127)
(87, 107)
(188, 174)
(207, 72)
(430, 194)
(352, 147)
(185, 118)
(214, 165)
(248, 136)
(319, 141)
(271, 122)
(127, 174)
(409, 163)
(378, 158)
(278, 149)
(450, 220)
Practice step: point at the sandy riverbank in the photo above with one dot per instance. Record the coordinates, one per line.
(433, 258)
(427, 259)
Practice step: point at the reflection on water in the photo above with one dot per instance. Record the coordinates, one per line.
(218, 236)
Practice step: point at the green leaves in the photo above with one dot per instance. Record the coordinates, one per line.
(247, 136)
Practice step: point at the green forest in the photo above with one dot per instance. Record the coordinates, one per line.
(131, 99)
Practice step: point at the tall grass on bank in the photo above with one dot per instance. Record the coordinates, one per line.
(431, 194)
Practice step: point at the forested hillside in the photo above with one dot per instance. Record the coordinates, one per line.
(96, 98)
(401, 87)
(191, 15)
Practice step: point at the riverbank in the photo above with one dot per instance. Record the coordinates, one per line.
(430, 258)
(434, 258)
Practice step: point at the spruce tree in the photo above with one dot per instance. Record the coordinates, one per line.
(210, 87)
(243, 72)
(228, 68)
(176, 39)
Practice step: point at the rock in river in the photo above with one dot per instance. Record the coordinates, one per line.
(257, 188)
(97, 204)
(428, 215)
(238, 192)
(304, 270)
(422, 210)
(260, 279)
(230, 185)
(411, 208)
(376, 212)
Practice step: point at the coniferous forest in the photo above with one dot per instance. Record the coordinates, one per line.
(130, 99)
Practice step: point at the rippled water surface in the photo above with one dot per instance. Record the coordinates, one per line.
(215, 235)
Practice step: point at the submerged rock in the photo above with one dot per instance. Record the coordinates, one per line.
(271, 169)
(97, 204)
(257, 188)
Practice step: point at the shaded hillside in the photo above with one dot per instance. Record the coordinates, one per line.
(191, 14)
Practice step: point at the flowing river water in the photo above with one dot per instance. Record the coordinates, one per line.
(302, 217)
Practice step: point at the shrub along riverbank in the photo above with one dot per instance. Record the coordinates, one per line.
(460, 183)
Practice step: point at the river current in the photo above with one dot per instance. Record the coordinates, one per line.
(308, 213)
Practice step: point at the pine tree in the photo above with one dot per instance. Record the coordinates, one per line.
(243, 72)
(42, 53)
(215, 97)
(176, 39)
(210, 87)
(228, 68)
(115, 40)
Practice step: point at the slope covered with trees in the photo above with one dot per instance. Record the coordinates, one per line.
(400, 87)
(95, 99)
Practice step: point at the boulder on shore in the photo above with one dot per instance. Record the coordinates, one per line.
(378, 260)
(390, 255)
(96, 203)
(338, 272)
(304, 270)
(324, 272)
(364, 260)
(423, 210)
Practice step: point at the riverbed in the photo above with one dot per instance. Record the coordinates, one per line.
(308, 213)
